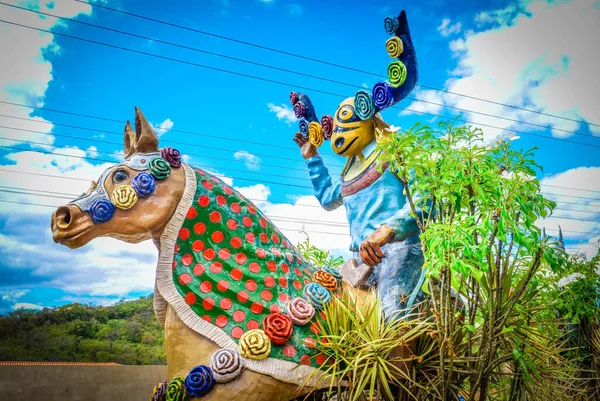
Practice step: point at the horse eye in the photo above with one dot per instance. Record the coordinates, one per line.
(120, 176)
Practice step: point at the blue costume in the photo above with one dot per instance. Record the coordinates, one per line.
(371, 200)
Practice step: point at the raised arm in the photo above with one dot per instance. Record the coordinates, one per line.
(327, 191)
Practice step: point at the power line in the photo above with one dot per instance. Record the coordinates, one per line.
(577, 211)
(285, 70)
(225, 138)
(252, 199)
(188, 154)
(286, 84)
(571, 196)
(119, 144)
(112, 161)
(94, 140)
(570, 218)
(323, 61)
(70, 195)
(219, 175)
(574, 189)
(273, 217)
(88, 180)
(580, 204)
(574, 231)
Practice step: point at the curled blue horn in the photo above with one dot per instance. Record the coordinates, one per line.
(384, 94)
(305, 111)
(309, 113)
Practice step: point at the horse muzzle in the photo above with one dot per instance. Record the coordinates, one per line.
(70, 226)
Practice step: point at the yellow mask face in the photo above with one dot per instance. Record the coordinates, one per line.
(350, 134)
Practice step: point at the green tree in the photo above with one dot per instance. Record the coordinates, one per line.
(478, 233)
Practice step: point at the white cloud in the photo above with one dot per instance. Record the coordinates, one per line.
(9, 299)
(522, 60)
(283, 112)
(579, 218)
(267, 1)
(252, 161)
(163, 127)
(26, 305)
(92, 151)
(25, 78)
(326, 229)
(446, 28)
(107, 268)
(501, 16)
(458, 46)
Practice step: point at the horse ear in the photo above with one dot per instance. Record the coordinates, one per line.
(146, 138)
(129, 139)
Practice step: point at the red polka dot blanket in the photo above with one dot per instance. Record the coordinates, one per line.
(225, 267)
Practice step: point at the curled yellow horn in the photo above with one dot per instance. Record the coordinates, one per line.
(124, 197)
(315, 134)
(394, 47)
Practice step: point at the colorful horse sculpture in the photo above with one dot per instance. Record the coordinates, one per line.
(231, 291)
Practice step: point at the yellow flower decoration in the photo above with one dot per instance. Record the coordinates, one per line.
(124, 197)
(315, 134)
(394, 47)
(254, 344)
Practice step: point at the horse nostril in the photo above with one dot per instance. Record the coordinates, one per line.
(339, 142)
(63, 217)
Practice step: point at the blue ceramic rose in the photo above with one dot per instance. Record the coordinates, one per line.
(101, 211)
(200, 381)
(317, 295)
(144, 184)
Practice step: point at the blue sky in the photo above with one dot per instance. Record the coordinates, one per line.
(529, 54)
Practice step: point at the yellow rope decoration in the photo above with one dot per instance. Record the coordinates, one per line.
(315, 134)
(254, 344)
(124, 197)
(394, 46)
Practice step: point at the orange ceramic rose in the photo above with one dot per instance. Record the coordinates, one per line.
(325, 279)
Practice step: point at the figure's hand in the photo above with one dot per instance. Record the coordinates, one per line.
(307, 149)
(370, 249)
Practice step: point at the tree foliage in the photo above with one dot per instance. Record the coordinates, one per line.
(125, 333)
(497, 329)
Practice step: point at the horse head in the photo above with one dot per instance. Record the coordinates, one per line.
(132, 200)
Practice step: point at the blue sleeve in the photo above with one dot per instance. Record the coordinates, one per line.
(327, 191)
(402, 223)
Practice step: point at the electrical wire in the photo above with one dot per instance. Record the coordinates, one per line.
(191, 154)
(284, 69)
(167, 142)
(193, 165)
(324, 62)
(275, 218)
(69, 196)
(284, 83)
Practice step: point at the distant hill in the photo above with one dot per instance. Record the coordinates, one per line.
(125, 333)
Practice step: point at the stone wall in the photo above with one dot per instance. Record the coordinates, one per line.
(79, 383)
